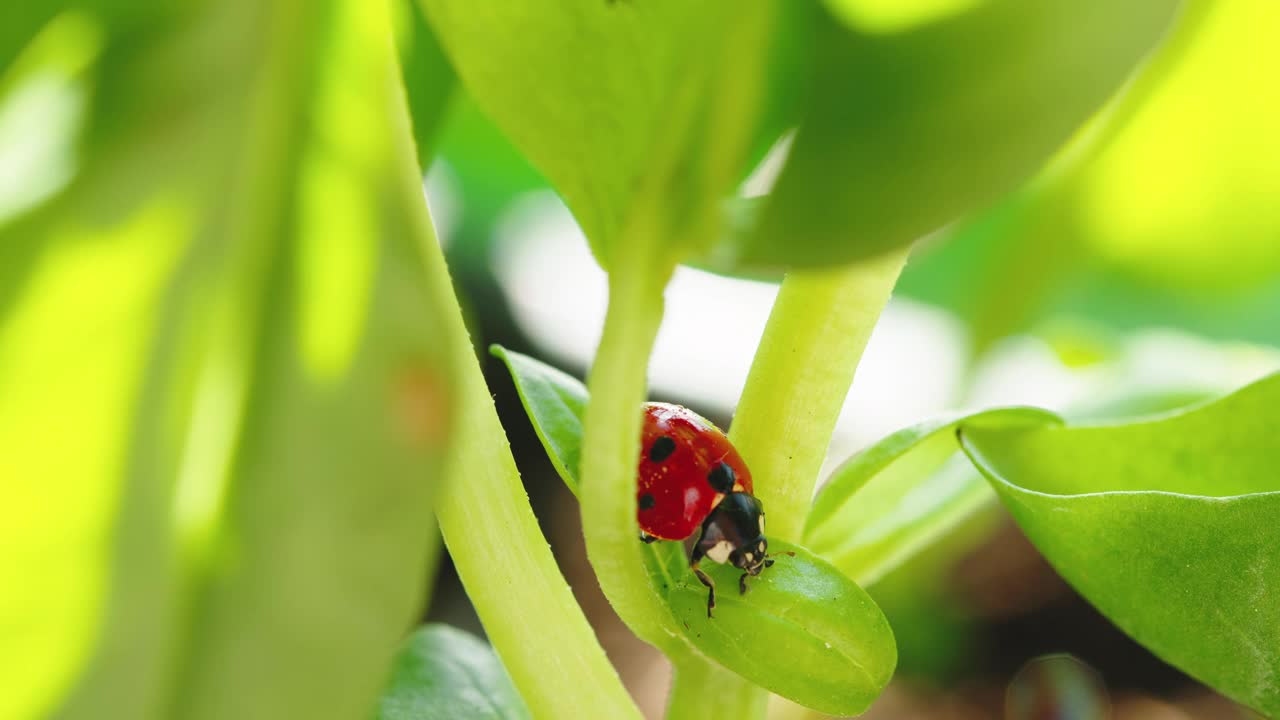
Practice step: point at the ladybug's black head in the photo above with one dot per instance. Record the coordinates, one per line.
(734, 533)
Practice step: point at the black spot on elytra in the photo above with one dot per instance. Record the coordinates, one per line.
(646, 501)
(662, 449)
(721, 478)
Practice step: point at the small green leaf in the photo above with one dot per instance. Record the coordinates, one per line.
(892, 499)
(803, 630)
(902, 133)
(1167, 525)
(555, 403)
(443, 672)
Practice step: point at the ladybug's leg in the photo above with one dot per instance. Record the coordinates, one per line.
(742, 584)
(646, 538)
(711, 587)
(695, 557)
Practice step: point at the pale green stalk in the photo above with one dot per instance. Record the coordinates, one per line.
(527, 609)
(799, 379)
(611, 443)
(701, 690)
(503, 559)
(802, 371)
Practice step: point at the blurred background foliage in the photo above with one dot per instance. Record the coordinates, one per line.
(221, 391)
(203, 399)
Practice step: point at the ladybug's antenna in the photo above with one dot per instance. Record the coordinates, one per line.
(769, 559)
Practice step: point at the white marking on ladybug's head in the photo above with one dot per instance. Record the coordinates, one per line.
(761, 523)
(720, 551)
(760, 546)
(748, 556)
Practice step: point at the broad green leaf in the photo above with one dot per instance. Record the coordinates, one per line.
(443, 672)
(218, 356)
(1167, 525)
(805, 631)
(903, 133)
(627, 108)
(555, 403)
(894, 498)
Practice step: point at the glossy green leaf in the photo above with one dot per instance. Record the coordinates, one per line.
(1167, 525)
(903, 133)
(443, 672)
(218, 354)
(894, 498)
(555, 403)
(805, 631)
(614, 101)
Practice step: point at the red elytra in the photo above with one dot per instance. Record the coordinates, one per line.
(680, 458)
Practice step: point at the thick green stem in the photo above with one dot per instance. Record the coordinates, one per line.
(696, 683)
(801, 374)
(500, 554)
(611, 443)
(798, 381)
(504, 562)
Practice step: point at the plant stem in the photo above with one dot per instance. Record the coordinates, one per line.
(799, 379)
(500, 554)
(802, 371)
(508, 570)
(611, 443)
(695, 683)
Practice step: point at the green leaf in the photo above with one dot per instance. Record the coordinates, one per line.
(805, 631)
(1167, 525)
(219, 356)
(894, 498)
(21, 23)
(428, 80)
(443, 672)
(1068, 243)
(903, 133)
(614, 101)
(555, 403)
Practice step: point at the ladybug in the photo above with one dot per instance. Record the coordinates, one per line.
(691, 478)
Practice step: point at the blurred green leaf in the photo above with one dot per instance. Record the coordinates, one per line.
(896, 497)
(218, 357)
(555, 403)
(903, 133)
(1160, 214)
(1192, 158)
(428, 80)
(443, 672)
(615, 101)
(20, 24)
(1167, 525)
